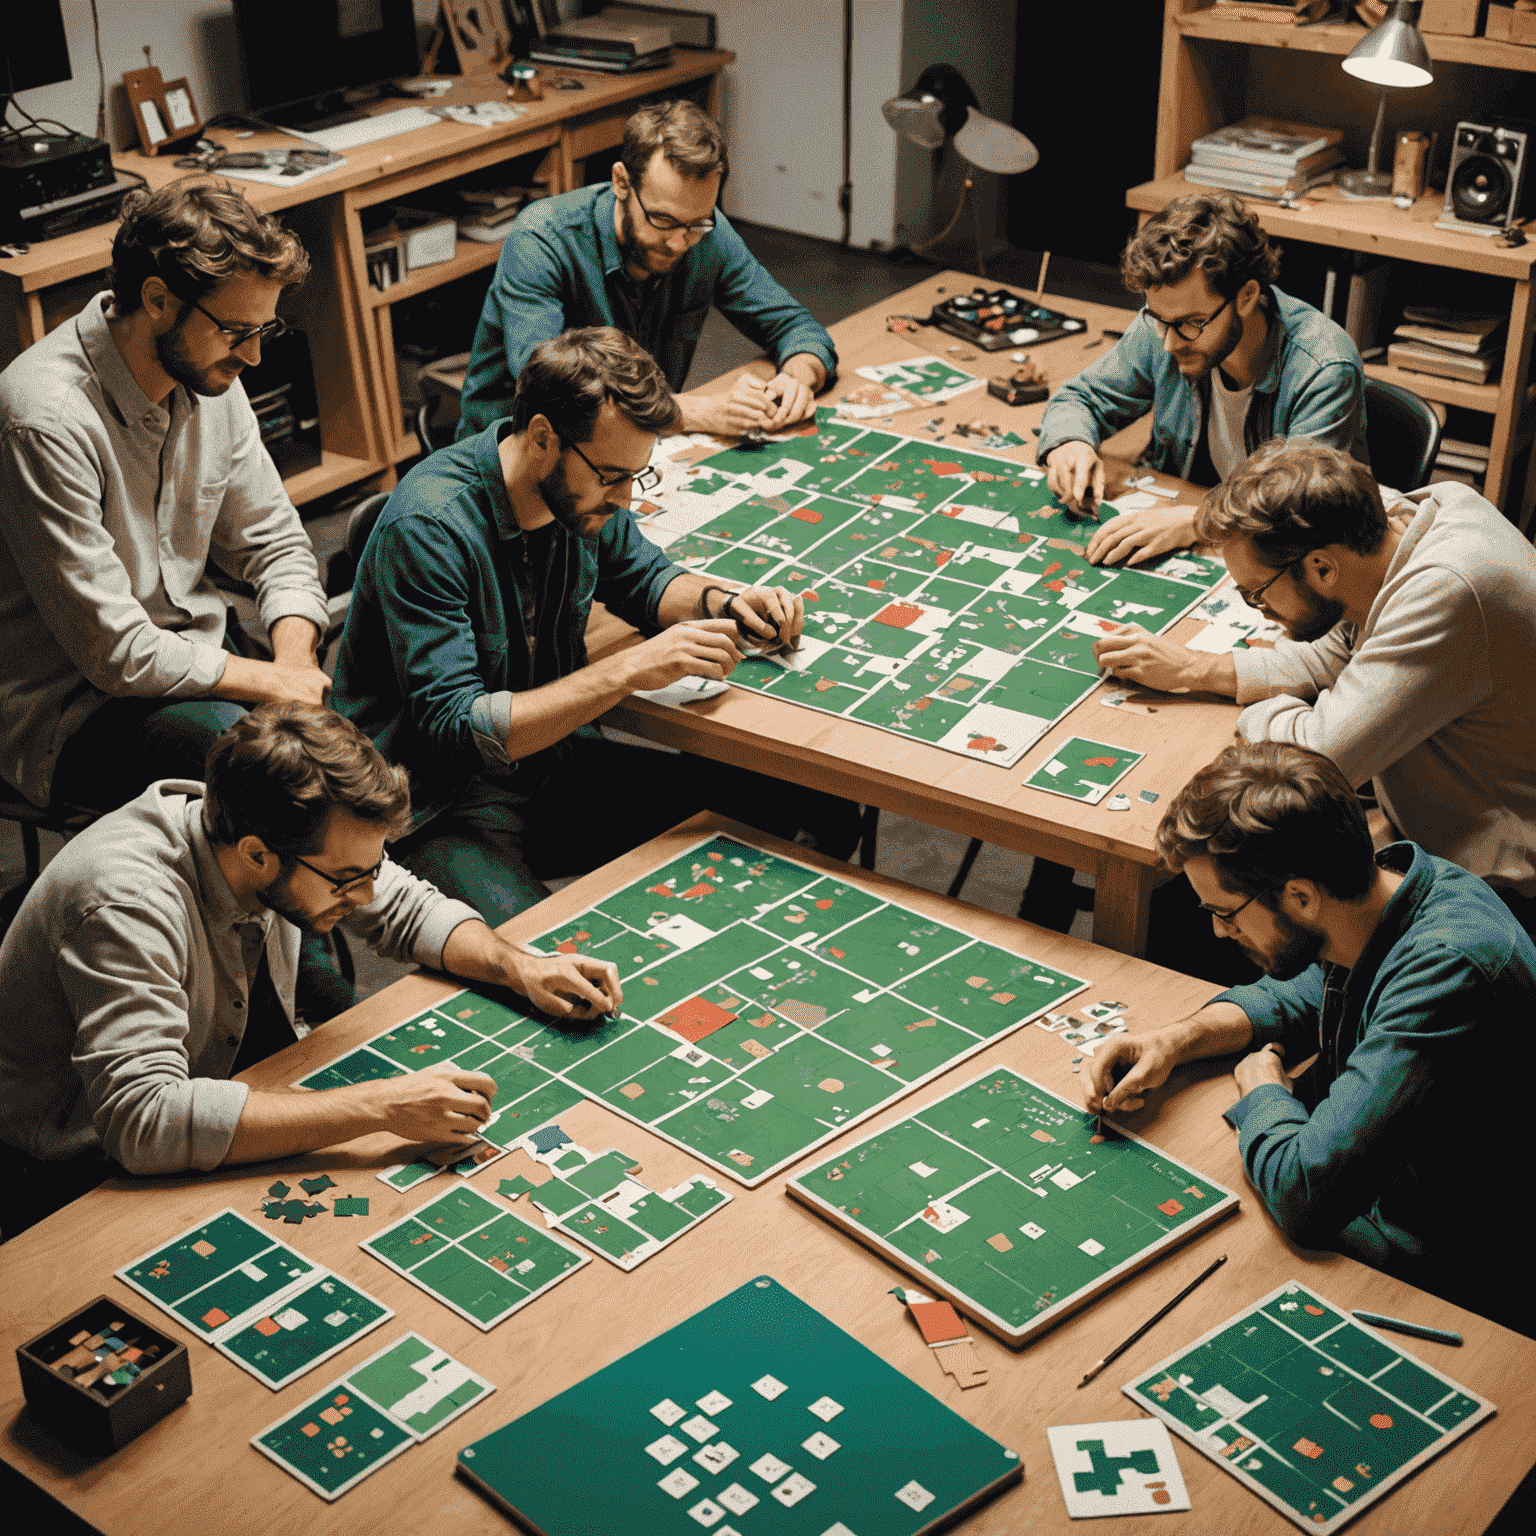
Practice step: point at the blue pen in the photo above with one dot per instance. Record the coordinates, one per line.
(1418, 1330)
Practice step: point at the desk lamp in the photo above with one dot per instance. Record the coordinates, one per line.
(941, 108)
(1392, 56)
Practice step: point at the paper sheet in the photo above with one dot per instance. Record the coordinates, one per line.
(1126, 1467)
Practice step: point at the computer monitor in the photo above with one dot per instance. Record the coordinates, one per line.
(37, 54)
(300, 58)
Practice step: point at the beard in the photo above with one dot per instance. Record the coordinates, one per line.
(276, 896)
(1299, 948)
(1209, 362)
(652, 263)
(1321, 615)
(177, 363)
(562, 505)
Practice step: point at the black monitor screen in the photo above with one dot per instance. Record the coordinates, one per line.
(295, 51)
(37, 53)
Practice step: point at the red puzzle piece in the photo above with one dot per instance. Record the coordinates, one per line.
(937, 1320)
(697, 1018)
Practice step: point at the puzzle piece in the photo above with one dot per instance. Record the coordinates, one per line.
(314, 1186)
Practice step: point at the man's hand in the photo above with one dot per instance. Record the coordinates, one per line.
(1151, 661)
(793, 399)
(761, 608)
(1142, 1063)
(1262, 1067)
(1141, 536)
(298, 684)
(443, 1106)
(271, 682)
(694, 648)
(1071, 469)
(568, 986)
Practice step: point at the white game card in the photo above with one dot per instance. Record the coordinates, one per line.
(1126, 1467)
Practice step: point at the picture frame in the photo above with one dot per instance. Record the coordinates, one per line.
(164, 111)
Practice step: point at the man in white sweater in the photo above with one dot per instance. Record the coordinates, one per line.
(1411, 658)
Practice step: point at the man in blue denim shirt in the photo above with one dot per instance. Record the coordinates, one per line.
(1393, 969)
(1221, 357)
(464, 653)
(648, 254)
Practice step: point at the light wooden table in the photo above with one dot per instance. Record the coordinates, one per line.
(194, 1472)
(943, 789)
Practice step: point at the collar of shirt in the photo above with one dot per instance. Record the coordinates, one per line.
(488, 464)
(1410, 861)
(221, 912)
(117, 381)
(607, 237)
(1267, 369)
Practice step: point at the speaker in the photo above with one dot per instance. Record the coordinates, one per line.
(1491, 174)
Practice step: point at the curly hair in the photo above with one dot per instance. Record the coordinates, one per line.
(193, 235)
(1214, 235)
(687, 135)
(1291, 496)
(566, 381)
(1265, 812)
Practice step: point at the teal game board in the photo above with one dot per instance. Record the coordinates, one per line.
(1008, 1199)
(272, 1311)
(754, 1402)
(1314, 1412)
(393, 1400)
(947, 593)
(767, 1008)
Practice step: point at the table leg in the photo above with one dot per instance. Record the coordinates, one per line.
(1122, 898)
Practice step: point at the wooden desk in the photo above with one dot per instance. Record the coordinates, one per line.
(198, 1459)
(941, 788)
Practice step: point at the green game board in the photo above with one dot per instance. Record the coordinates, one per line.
(1314, 1412)
(768, 1008)
(902, 550)
(1084, 770)
(402, 1395)
(474, 1256)
(1003, 1196)
(271, 1310)
(755, 1401)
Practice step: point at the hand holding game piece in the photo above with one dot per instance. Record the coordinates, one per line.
(695, 648)
(1136, 537)
(1140, 1062)
(1072, 470)
(569, 986)
(794, 400)
(440, 1106)
(747, 408)
(773, 616)
(1261, 1067)
(1151, 661)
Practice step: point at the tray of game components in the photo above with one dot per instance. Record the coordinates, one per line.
(994, 318)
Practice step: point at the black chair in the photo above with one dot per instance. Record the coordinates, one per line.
(1403, 434)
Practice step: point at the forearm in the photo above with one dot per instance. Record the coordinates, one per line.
(474, 953)
(680, 601)
(1214, 674)
(806, 367)
(268, 682)
(1218, 1029)
(700, 412)
(294, 642)
(542, 716)
(276, 1124)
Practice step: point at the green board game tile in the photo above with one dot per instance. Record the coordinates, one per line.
(424, 1041)
(1454, 1409)
(1087, 769)
(985, 989)
(747, 563)
(557, 1045)
(916, 713)
(880, 577)
(604, 1231)
(514, 1076)
(407, 1243)
(1354, 1347)
(1132, 597)
(1304, 1313)
(849, 602)
(560, 1197)
(481, 1015)
(397, 1374)
(692, 971)
(821, 907)
(797, 532)
(350, 1205)
(737, 524)
(601, 1174)
(628, 1056)
(240, 1289)
(1065, 648)
(465, 1283)
(476, 1058)
(809, 982)
(201, 1255)
(516, 1119)
(661, 1219)
(312, 1325)
(579, 935)
(858, 538)
(456, 1212)
(1038, 688)
(331, 1452)
(1185, 565)
(819, 683)
(1004, 621)
(889, 943)
(697, 1200)
(632, 953)
(917, 1042)
(360, 1066)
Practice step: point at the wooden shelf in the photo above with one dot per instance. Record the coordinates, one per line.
(469, 256)
(334, 472)
(1475, 397)
(1340, 38)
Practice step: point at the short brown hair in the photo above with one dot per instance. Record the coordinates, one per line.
(568, 379)
(1291, 496)
(193, 235)
(1265, 812)
(278, 773)
(687, 135)
(1216, 235)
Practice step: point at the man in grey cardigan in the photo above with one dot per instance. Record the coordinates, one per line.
(155, 957)
(1411, 657)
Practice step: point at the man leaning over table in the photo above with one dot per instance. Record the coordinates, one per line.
(1411, 657)
(1401, 974)
(649, 253)
(1220, 356)
(154, 960)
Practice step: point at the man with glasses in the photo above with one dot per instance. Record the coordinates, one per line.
(1400, 973)
(1221, 357)
(1411, 657)
(649, 253)
(154, 960)
(464, 654)
(130, 461)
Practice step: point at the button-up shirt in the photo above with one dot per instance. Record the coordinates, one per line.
(126, 977)
(561, 267)
(113, 508)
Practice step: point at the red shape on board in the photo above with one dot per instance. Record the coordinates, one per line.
(1170, 1207)
(805, 515)
(1381, 1421)
(701, 889)
(1315, 1311)
(1100, 762)
(981, 744)
(696, 1018)
(836, 954)
(568, 948)
(942, 466)
(879, 586)
(823, 904)
(899, 615)
(1052, 568)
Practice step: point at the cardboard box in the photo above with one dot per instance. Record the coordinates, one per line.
(1459, 18)
(1522, 28)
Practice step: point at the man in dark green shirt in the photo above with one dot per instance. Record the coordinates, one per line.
(647, 253)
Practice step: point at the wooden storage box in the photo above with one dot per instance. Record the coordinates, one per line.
(104, 1418)
(1507, 25)
(1459, 18)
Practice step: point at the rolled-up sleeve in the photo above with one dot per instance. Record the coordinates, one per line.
(1282, 1012)
(1104, 397)
(409, 919)
(120, 971)
(53, 528)
(632, 573)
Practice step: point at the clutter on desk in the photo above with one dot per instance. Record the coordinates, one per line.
(995, 319)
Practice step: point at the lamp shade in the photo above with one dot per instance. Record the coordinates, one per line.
(1393, 54)
(941, 106)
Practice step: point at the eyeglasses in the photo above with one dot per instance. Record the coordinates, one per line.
(667, 224)
(1256, 596)
(642, 480)
(240, 334)
(340, 887)
(1229, 919)
(1186, 330)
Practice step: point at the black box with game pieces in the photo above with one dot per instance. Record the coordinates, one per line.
(995, 318)
(103, 1376)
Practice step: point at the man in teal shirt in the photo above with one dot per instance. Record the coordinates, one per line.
(1401, 974)
(647, 253)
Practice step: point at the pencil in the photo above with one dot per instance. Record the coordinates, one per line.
(1115, 1354)
(1418, 1330)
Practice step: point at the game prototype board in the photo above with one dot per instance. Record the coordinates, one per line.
(474, 1256)
(756, 1400)
(767, 1009)
(947, 594)
(271, 1310)
(395, 1399)
(1009, 1200)
(1316, 1413)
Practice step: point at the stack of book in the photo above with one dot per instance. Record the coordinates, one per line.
(486, 214)
(1450, 343)
(1264, 158)
(595, 42)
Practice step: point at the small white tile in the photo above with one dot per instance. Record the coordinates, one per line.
(677, 1483)
(793, 1489)
(714, 1402)
(737, 1499)
(770, 1468)
(699, 1428)
(666, 1450)
(668, 1412)
(769, 1387)
(824, 1408)
(915, 1496)
(820, 1445)
(707, 1512)
(717, 1457)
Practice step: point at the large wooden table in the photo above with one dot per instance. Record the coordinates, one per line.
(943, 789)
(194, 1472)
